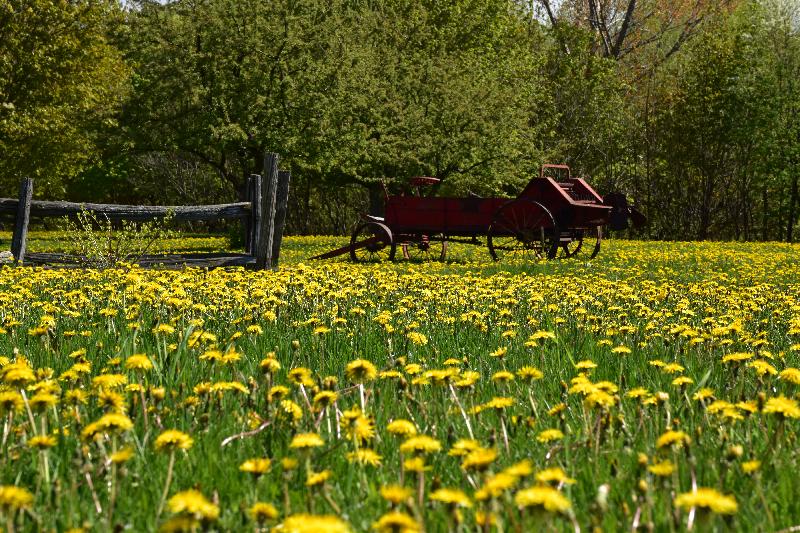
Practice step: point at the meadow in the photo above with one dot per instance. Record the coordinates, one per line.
(654, 387)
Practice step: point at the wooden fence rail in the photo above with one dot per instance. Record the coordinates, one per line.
(263, 216)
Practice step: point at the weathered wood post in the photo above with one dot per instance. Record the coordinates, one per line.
(20, 237)
(269, 186)
(281, 206)
(247, 223)
(254, 224)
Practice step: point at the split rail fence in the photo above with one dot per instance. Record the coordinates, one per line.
(263, 215)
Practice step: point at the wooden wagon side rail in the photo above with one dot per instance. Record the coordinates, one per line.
(263, 216)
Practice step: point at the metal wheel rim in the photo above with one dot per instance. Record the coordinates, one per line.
(372, 253)
(427, 248)
(520, 233)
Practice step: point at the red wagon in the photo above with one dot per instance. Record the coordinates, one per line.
(549, 218)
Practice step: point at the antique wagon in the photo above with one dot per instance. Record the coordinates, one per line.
(549, 218)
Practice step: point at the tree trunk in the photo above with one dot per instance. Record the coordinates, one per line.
(376, 200)
(792, 209)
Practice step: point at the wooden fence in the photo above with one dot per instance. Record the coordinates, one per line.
(263, 216)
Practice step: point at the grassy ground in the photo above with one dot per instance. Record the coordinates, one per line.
(606, 393)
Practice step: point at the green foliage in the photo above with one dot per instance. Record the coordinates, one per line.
(61, 81)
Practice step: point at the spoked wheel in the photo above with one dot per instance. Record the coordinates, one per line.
(571, 244)
(372, 242)
(597, 234)
(425, 248)
(523, 229)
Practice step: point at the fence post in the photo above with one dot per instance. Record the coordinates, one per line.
(269, 185)
(255, 219)
(247, 223)
(23, 218)
(281, 205)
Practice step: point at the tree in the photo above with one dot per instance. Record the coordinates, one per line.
(61, 82)
(346, 92)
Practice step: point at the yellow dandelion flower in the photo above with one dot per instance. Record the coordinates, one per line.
(452, 497)
(257, 466)
(42, 442)
(402, 428)
(707, 499)
(314, 479)
(261, 512)
(420, 444)
(549, 435)
(395, 494)
(782, 406)
(543, 497)
(395, 521)
(172, 439)
(361, 371)
(670, 438)
(553, 475)
(192, 502)
(304, 441)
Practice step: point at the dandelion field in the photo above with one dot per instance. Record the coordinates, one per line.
(655, 387)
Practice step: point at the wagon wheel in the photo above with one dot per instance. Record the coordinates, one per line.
(425, 248)
(372, 242)
(525, 229)
(598, 236)
(571, 244)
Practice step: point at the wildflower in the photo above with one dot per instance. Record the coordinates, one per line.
(503, 376)
(121, 456)
(707, 499)
(479, 459)
(420, 444)
(544, 497)
(463, 447)
(499, 353)
(529, 373)
(549, 435)
(782, 406)
(396, 521)
(10, 401)
(402, 428)
(257, 467)
(318, 478)
(415, 464)
(172, 439)
(748, 467)
(662, 469)
(792, 375)
(301, 376)
(138, 362)
(13, 498)
(42, 442)
(191, 502)
(452, 497)
(305, 441)
(395, 494)
(109, 381)
(670, 437)
(365, 456)
(269, 365)
(108, 423)
(361, 371)
(554, 475)
(324, 398)
(262, 512)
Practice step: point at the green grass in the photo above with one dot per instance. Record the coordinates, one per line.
(684, 303)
